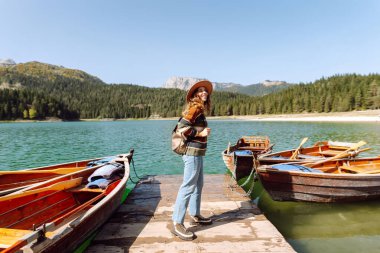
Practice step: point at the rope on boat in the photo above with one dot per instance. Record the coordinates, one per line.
(134, 169)
(246, 194)
(249, 177)
(253, 183)
(252, 173)
(145, 179)
(133, 182)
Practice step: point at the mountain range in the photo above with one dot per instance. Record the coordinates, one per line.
(35, 90)
(259, 89)
(38, 70)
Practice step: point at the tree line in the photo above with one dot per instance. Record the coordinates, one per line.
(38, 91)
(338, 93)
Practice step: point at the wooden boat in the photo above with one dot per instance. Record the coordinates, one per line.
(240, 158)
(11, 181)
(59, 214)
(329, 181)
(319, 151)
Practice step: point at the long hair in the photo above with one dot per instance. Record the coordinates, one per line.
(194, 101)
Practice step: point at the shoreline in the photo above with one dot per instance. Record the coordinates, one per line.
(353, 116)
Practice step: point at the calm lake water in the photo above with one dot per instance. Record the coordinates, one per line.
(308, 227)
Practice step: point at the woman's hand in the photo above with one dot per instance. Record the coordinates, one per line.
(206, 132)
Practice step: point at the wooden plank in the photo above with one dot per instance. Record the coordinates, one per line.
(52, 171)
(142, 223)
(330, 152)
(361, 169)
(40, 209)
(64, 185)
(9, 236)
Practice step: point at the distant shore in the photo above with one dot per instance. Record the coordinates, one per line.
(354, 116)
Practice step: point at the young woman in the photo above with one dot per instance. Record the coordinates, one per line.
(194, 126)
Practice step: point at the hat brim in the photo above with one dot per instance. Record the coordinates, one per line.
(203, 83)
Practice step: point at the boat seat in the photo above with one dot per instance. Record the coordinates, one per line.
(341, 148)
(250, 148)
(9, 236)
(83, 188)
(330, 152)
(309, 157)
(368, 169)
(259, 142)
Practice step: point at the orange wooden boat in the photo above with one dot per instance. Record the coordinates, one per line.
(59, 214)
(11, 181)
(319, 151)
(330, 181)
(241, 158)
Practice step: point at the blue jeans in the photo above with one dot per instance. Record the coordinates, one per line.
(189, 193)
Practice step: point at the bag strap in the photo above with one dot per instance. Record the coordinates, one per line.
(182, 130)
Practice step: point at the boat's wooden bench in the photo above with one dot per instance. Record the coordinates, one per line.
(330, 152)
(334, 150)
(250, 148)
(341, 148)
(255, 142)
(82, 188)
(308, 157)
(360, 169)
(9, 236)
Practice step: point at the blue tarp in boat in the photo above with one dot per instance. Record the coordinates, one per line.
(295, 167)
(105, 175)
(243, 152)
(101, 183)
(110, 171)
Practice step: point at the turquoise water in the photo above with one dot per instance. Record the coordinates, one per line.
(308, 227)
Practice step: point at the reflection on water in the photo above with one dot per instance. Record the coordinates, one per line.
(324, 227)
(308, 227)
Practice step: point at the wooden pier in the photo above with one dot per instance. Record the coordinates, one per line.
(142, 223)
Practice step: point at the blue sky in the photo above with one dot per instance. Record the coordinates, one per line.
(147, 41)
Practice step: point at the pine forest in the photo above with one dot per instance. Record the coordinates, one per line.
(39, 91)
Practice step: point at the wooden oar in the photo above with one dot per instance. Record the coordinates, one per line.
(50, 226)
(361, 150)
(60, 186)
(310, 161)
(36, 234)
(53, 171)
(122, 158)
(8, 191)
(338, 156)
(108, 190)
(295, 153)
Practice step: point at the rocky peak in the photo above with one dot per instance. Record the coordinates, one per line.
(258, 89)
(273, 83)
(7, 62)
(182, 83)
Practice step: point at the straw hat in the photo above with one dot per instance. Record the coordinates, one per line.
(204, 83)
